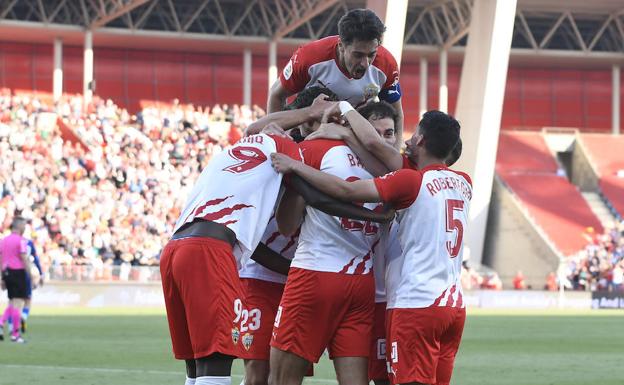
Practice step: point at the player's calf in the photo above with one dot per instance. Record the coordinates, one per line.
(287, 368)
(256, 372)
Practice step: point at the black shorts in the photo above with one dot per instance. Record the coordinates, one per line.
(16, 283)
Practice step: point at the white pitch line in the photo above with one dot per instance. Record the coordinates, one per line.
(137, 371)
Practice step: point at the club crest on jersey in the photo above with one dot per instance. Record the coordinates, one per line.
(235, 335)
(247, 157)
(370, 91)
(247, 340)
(288, 70)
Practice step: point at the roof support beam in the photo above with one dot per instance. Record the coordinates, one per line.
(117, 12)
(600, 32)
(577, 34)
(309, 14)
(552, 31)
(194, 16)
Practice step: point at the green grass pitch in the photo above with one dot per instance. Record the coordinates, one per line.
(116, 346)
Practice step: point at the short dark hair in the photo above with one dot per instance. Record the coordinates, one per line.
(17, 222)
(379, 110)
(360, 24)
(307, 96)
(440, 132)
(455, 154)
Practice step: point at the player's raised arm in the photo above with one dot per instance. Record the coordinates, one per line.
(357, 191)
(293, 116)
(339, 132)
(277, 97)
(370, 138)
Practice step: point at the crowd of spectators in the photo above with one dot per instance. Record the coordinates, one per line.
(111, 198)
(600, 266)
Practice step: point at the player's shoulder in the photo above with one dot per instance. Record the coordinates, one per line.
(464, 175)
(315, 150)
(386, 62)
(404, 173)
(320, 145)
(317, 51)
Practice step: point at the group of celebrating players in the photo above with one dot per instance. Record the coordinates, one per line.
(314, 232)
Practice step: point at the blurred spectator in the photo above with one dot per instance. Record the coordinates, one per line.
(113, 203)
(551, 282)
(492, 281)
(518, 281)
(600, 265)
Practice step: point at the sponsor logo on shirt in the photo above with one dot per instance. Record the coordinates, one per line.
(370, 91)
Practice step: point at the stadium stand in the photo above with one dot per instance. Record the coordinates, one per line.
(529, 170)
(91, 197)
(605, 154)
(600, 265)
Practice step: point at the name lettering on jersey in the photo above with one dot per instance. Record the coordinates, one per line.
(252, 139)
(449, 183)
(248, 157)
(354, 161)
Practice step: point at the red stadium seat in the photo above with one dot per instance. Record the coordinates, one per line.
(605, 154)
(527, 167)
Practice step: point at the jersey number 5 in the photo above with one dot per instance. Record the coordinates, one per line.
(453, 224)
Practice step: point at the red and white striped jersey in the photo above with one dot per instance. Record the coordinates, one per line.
(316, 64)
(433, 208)
(388, 250)
(329, 243)
(239, 188)
(284, 245)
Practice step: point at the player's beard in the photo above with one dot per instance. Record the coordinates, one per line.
(358, 72)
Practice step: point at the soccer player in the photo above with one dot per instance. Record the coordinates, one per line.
(426, 313)
(15, 272)
(353, 65)
(264, 287)
(330, 278)
(220, 227)
(382, 143)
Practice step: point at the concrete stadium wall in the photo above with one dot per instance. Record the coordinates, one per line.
(583, 175)
(514, 243)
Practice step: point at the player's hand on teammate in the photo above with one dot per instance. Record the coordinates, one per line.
(332, 114)
(283, 163)
(319, 106)
(274, 129)
(330, 131)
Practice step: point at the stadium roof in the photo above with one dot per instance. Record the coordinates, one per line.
(578, 29)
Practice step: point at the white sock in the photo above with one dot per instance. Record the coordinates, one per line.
(243, 381)
(189, 381)
(209, 380)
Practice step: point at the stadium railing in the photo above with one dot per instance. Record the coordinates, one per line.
(106, 273)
